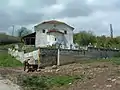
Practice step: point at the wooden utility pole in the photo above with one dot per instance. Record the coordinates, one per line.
(13, 30)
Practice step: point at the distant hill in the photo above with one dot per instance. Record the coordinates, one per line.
(7, 39)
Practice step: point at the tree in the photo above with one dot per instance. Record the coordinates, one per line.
(84, 38)
(23, 31)
(101, 41)
(108, 42)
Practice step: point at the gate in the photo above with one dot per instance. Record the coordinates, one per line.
(48, 57)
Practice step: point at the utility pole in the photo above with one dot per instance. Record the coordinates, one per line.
(13, 30)
(111, 31)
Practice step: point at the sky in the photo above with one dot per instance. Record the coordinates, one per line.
(88, 15)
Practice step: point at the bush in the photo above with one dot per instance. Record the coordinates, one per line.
(46, 82)
(34, 83)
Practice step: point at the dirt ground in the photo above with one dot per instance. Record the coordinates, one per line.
(6, 84)
(97, 75)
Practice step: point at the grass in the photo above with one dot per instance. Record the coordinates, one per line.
(8, 61)
(115, 60)
(47, 82)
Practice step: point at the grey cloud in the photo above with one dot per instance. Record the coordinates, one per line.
(18, 18)
(38, 4)
(48, 2)
(77, 12)
(5, 20)
(26, 18)
(105, 5)
(75, 9)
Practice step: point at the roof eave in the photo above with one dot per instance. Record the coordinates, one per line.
(61, 23)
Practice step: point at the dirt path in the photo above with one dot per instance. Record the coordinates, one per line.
(105, 79)
(7, 85)
(96, 76)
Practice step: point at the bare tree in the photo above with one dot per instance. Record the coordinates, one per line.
(23, 31)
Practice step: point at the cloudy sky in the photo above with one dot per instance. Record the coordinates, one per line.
(94, 15)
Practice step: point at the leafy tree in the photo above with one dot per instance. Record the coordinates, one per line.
(101, 41)
(84, 38)
(23, 31)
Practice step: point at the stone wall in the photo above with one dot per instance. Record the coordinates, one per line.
(48, 57)
(51, 56)
(70, 56)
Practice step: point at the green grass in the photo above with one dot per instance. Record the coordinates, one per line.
(62, 80)
(8, 61)
(115, 60)
(47, 82)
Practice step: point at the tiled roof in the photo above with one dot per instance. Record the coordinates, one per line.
(30, 35)
(54, 22)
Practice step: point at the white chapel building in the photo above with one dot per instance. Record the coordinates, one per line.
(54, 32)
(51, 33)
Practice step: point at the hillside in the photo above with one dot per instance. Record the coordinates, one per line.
(7, 39)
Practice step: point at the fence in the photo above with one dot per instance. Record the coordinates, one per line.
(47, 56)
(64, 56)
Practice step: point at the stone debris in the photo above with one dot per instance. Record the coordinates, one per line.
(83, 72)
(54, 67)
(109, 79)
(94, 86)
(118, 77)
(90, 77)
(113, 80)
(117, 82)
(57, 70)
(108, 86)
(87, 67)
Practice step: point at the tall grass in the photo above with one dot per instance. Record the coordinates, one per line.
(8, 61)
